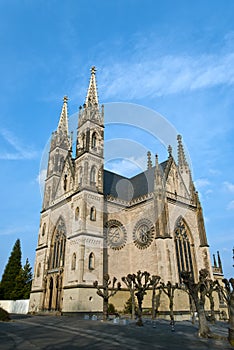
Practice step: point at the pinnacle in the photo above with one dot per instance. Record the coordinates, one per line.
(63, 120)
(181, 155)
(92, 96)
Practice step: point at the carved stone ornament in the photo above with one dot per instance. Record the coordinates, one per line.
(116, 234)
(143, 233)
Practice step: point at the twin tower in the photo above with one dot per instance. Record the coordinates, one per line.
(89, 228)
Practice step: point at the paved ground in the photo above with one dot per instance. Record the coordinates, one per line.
(64, 332)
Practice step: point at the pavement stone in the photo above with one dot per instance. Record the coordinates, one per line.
(26, 332)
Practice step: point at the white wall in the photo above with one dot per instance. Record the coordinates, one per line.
(15, 306)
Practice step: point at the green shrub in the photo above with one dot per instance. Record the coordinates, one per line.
(111, 309)
(4, 315)
(128, 306)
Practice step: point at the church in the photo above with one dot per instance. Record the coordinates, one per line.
(94, 221)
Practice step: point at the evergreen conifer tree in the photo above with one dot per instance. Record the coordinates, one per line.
(23, 283)
(11, 272)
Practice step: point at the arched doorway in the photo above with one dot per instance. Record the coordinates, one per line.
(54, 274)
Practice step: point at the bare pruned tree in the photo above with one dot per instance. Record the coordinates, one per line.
(169, 290)
(106, 291)
(198, 292)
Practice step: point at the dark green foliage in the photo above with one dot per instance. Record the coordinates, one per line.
(128, 306)
(4, 316)
(11, 272)
(111, 309)
(23, 283)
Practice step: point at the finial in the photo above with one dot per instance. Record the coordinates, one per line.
(149, 162)
(93, 70)
(65, 99)
(169, 150)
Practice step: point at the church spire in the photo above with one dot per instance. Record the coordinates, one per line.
(92, 96)
(63, 121)
(182, 162)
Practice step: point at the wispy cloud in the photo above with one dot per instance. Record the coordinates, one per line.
(200, 183)
(228, 186)
(19, 151)
(169, 74)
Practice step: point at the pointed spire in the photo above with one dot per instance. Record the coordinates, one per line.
(219, 261)
(182, 162)
(215, 263)
(92, 96)
(63, 121)
(169, 151)
(149, 162)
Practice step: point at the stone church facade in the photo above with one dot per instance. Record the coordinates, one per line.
(94, 221)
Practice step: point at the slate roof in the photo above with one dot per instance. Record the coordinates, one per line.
(125, 188)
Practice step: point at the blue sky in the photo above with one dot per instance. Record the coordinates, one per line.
(175, 57)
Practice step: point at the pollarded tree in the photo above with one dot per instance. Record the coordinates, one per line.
(169, 290)
(197, 291)
(142, 282)
(130, 285)
(107, 291)
(11, 272)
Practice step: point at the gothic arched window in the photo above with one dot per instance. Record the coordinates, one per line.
(43, 229)
(73, 264)
(77, 213)
(83, 141)
(93, 214)
(91, 261)
(94, 140)
(39, 270)
(183, 248)
(80, 176)
(93, 176)
(58, 245)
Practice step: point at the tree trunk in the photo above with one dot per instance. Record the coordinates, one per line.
(171, 308)
(204, 330)
(153, 304)
(212, 316)
(193, 309)
(133, 305)
(105, 309)
(139, 321)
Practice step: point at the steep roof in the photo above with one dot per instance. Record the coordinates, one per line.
(125, 188)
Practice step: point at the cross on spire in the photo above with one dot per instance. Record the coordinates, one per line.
(92, 96)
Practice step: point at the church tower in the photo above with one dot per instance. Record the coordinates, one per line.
(69, 254)
(94, 221)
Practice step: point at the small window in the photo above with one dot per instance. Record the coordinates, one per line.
(65, 182)
(80, 176)
(73, 264)
(93, 214)
(93, 176)
(94, 140)
(43, 229)
(91, 261)
(83, 141)
(77, 213)
(39, 270)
